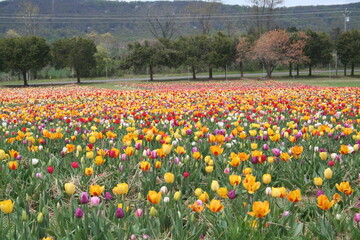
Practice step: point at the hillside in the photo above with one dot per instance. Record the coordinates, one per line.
(129, 20)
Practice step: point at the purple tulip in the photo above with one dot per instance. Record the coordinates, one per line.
(119, 213)
(79, 213)
(254, 160)
(318, 193)
(108, 196)
(84, 198)
(276, 151)
(232, 194)
(266, 147)
(154, 154)
(123, 157)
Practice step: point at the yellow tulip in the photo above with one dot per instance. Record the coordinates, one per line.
(6, 206)
(177, 196)
(328, 173)
(318, 181)
(96, 190)
(234, 180)
(69, 188)
(121, 188)
(266, 178)
(169, 177)
(215, 206)
(215, 185)
(223, 192)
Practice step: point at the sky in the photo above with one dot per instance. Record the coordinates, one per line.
(292, 3)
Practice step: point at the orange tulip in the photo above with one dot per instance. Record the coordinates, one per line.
(154, 197)
(324, 203)
(260, 209)
(215, 206)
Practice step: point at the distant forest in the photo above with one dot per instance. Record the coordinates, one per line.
(129, 21)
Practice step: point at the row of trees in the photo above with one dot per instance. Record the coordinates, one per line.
(273, 48)
(277, 47)
(25, 54)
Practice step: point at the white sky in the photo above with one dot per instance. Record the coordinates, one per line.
(292, 3)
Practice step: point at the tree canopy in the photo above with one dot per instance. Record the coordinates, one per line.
(21, 54)
(77, 53)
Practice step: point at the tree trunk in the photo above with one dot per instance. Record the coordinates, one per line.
(297, 70)
(193, 72)
(210, 73)
(310, 70)
(24, 78)
(344, 69)
(241, 69)
(290, 70)
(352, 69)
(151, 73)
(77, 71)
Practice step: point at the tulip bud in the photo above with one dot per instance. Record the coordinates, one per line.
(79, 213)
(24, 216)
(50, 169)
(268, 191)
(164, 190)
(84, 198)
(108, 196)
(215, 185)
(328, 173)
(138, 212)
(266, 178)
(232, 194)
(177, 196)
(318, 181)
(119, 213)
(40, 217)
(198, 192)
(153, 211)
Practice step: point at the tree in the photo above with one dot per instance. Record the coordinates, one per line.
(296, 51)
(318, 49)
(22, 54)
(191, 50)
(148, 53)
(77, 53)
(221, 52)
(348, 48)
(271, 49)
(243, 50)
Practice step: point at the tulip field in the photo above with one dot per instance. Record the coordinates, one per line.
(181, 160)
